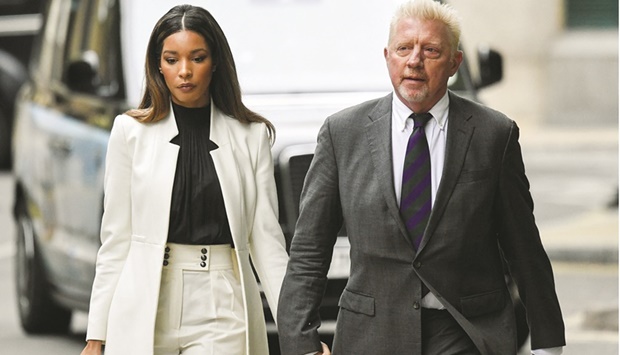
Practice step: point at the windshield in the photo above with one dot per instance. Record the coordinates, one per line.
(308, 45)
(285, 46)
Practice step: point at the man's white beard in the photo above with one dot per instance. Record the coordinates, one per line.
(417, 97)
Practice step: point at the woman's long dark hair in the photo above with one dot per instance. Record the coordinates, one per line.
(224, 88)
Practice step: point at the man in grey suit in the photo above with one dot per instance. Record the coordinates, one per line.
(438, 289)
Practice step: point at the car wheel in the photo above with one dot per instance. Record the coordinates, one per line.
(5, 142)
(38, 312)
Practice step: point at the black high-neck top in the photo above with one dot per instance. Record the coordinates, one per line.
(197, 211)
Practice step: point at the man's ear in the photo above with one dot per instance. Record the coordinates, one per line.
(457, 59)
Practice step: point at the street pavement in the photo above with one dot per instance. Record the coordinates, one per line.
(575, 175)
(574, 183)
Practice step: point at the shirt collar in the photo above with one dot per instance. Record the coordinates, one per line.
(400, 112)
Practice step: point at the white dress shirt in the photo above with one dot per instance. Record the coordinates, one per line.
(436, 131)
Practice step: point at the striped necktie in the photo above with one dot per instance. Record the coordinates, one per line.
(415, 200)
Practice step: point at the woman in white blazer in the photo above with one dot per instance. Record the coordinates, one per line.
(189, 197)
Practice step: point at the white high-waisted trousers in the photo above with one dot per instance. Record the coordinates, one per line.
(200, 309)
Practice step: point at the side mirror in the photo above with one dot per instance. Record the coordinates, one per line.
(490, 67)
(81, 74)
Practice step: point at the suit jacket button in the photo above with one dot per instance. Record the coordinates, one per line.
(204, 250)
(203, 257)
(167, 249)
(165, 262)
(203, 264)
(166, 256)
(417, 264)
(416, 305)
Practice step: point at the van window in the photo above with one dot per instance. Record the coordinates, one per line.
(309, 45)
(288, 46)
(92, 59)
(283, 46)
(48, 57)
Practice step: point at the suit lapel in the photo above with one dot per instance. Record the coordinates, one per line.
(227, 171)
(379, 132)
(161, 159)
(460, 131)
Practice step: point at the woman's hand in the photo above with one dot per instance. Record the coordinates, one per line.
(93, 347)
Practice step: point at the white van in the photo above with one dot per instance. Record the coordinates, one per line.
(298, 62)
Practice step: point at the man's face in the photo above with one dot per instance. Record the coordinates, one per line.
(420, 62)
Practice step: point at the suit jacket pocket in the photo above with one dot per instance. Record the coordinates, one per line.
(474, 175)
(357, 303)
(483, 303)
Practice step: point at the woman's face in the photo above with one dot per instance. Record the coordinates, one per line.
(187, 67)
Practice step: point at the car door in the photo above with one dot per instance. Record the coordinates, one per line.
(77, 91)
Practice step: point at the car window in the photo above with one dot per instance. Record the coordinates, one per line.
(92, 58)
(47, 58)
(19, 7)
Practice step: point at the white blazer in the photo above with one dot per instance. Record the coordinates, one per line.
(140, 169)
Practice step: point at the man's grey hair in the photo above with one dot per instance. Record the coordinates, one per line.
(429, 10)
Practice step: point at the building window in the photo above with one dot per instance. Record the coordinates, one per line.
(582, 14)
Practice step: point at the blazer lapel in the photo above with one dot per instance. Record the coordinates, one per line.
(460, 131)
(227, 171)
(379, 132)
(161, 158)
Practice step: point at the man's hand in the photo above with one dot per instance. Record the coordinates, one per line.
(325, 349)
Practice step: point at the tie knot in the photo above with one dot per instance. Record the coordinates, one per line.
(420, 119)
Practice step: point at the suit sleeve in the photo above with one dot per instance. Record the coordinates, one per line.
(267, 249)
(311, 250)
(527, 260)
(115, 230)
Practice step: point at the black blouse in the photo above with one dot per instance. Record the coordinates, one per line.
(197, 212)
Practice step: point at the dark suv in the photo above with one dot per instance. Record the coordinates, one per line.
(87, 67)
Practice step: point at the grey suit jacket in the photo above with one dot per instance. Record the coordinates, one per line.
(482, 213)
